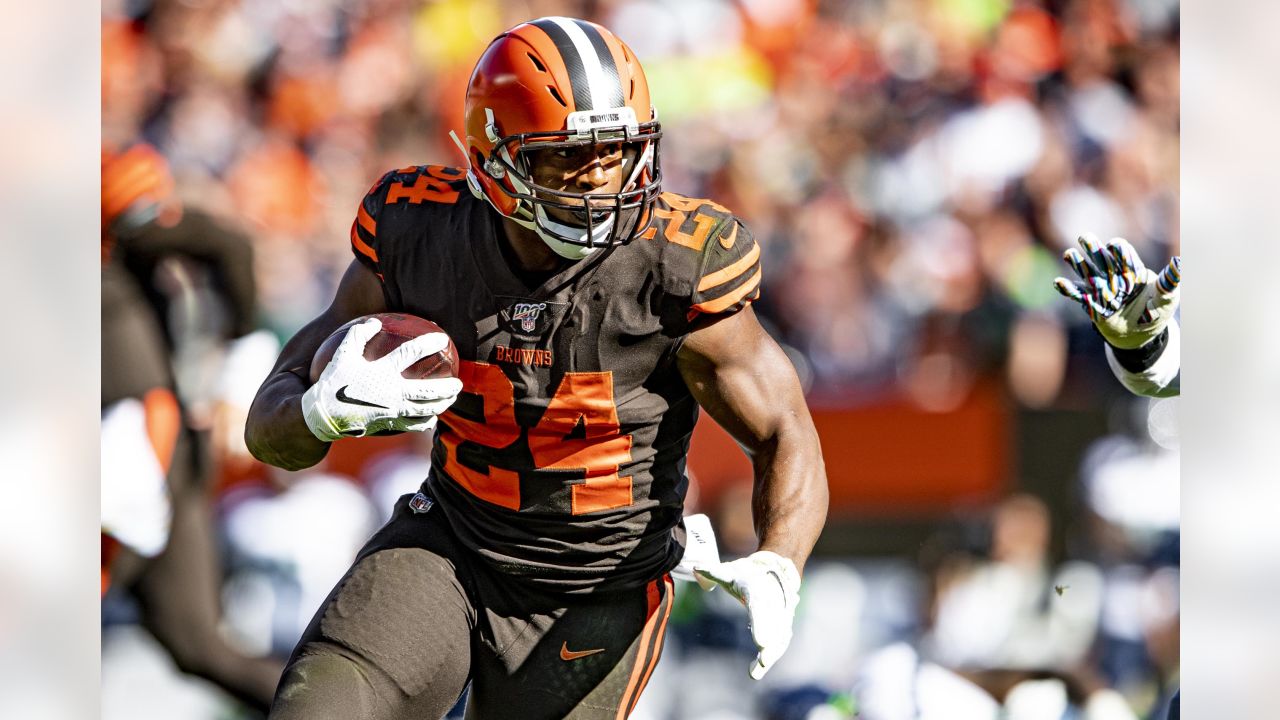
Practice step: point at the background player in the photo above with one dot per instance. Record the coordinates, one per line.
(158, 541)
(1133, 309)
(552, 513)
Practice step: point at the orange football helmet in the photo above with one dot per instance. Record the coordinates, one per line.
(136, 185)
(555, 83)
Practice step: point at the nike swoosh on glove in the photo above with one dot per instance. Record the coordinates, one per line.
(1129, 303)
(769, 586)
(355, 396)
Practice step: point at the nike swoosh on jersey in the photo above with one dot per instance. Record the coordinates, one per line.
(727, 242)
(566, 654)
(344, 397)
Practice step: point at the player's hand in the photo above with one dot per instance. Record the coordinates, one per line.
(1129, 303)
(769, 585)
(355, 396)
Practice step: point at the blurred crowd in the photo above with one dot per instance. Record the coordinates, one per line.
(912, 167)
(913, 170)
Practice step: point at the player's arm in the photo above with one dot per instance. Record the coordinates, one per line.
(1132, 307)
(1154, 369)
(739, 375)
(292, 421)
(225, 251)
(744, 380)
(276, 431)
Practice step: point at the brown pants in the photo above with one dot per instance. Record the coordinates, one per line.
(417, 617)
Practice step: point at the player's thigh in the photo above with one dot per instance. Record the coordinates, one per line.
(589, 661)
(393, 638)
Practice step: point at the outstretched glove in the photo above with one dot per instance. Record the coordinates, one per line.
(1128, 303)
(769, 585)
(355, 396)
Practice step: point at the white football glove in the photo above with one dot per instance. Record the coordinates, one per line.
(1128, 303)
(700, 550)
(769, 585)
(136, 509)
(355, 396)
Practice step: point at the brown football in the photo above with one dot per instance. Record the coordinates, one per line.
(397, 328)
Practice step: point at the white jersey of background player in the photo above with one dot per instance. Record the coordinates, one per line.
(1133, 309)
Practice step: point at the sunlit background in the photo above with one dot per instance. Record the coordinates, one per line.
(913, 170)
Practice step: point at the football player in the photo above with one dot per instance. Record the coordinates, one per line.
(594, 314)
(158, 540)
(1132, 307)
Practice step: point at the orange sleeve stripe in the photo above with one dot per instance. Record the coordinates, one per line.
(721, 277)
(361, 246)
(163, 421)
(366, 221)
(723, 303)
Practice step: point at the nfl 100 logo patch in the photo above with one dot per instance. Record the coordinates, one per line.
(527, 314)
(528, 318)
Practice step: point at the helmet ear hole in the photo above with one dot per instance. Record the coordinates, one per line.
(491, 167)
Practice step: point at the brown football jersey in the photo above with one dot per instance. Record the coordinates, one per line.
(563, 460)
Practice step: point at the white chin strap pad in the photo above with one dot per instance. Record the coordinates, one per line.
(568, 241)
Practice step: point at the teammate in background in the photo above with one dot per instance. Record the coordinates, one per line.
(158, 539)
(1133, 309)
(594, 313)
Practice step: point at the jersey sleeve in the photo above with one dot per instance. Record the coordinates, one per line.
(1156, 376)
(729, 275)
(364, 229)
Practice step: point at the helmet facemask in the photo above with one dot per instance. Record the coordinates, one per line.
(605, 219)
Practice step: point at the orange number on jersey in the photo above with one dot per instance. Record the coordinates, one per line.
(499, 429)
(586, 400)
(582, 400)
(433, 184)
(676, 218)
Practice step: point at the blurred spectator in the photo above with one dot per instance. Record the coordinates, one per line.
(903, 160)
(1007, 637)
(1010, 609)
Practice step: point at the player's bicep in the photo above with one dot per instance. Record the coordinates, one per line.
(740, 375)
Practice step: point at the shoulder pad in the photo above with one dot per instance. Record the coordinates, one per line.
(685, 221)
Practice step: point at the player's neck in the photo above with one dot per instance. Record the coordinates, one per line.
(528, 250)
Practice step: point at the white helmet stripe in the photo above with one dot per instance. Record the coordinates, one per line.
(602, 96)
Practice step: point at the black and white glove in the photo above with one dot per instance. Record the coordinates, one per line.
(1129, 303)
(355, 396)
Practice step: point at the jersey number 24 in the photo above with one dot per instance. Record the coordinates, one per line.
(582, 399)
